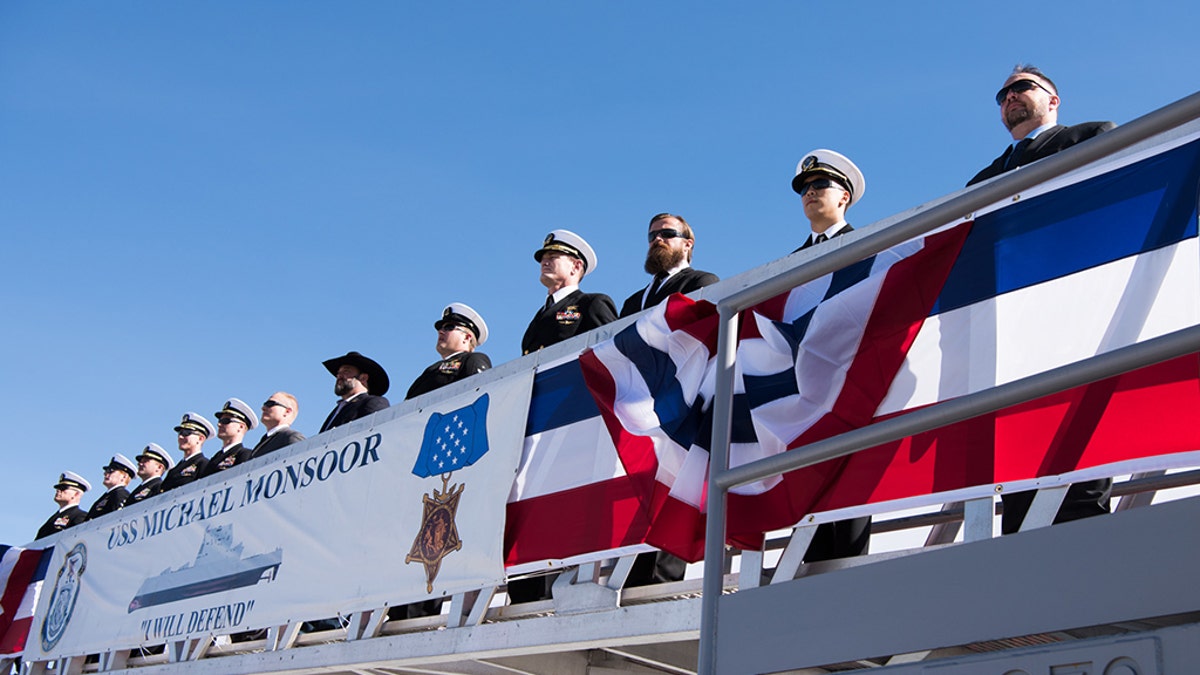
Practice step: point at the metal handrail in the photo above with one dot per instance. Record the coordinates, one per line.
(854, 247)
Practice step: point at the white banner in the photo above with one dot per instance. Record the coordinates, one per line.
(405, 510)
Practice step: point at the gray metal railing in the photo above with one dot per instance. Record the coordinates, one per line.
(859, 245)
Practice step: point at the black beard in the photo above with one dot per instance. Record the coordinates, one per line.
(1015, 116)
(660, 259)
(342, 387)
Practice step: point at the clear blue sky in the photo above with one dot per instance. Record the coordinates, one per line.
(205, 200)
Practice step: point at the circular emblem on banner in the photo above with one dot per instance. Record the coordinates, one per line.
(62, 598)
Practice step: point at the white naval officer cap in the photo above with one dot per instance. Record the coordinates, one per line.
(566, 241)
(237, 408)
(834, 165)
(196, 422)
(459, 314)
(70, 479)
(120, 462)
(155, 451)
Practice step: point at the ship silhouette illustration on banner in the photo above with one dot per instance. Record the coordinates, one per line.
(219, 566)
(454, 440)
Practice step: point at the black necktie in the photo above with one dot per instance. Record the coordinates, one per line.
(654, 286)
(1014, 157)
(821, 238)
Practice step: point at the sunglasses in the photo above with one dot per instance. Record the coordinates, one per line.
(1019, 87)
(227, 420)
(664, 233)
(273, 404)
(819, 184)
(185, 433)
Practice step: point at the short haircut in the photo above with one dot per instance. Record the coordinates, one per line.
(1027, 69)
(290, 401)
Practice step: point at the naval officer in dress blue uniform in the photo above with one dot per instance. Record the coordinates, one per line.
(152, 463)
(234, 419)
(460, 332)
(828, 183)
(565, 259)
(191, 433)
(67, 492)
(119, 471)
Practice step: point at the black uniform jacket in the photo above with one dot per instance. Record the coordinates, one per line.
(186, 471)
(576, 313)
(61, 521)
(450, 369)
(685, 280)
(227, 457)
(1047, 143)
(809, 242)
(108, 502)
(146, 490)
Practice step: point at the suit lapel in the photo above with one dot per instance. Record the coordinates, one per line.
(1034, 151)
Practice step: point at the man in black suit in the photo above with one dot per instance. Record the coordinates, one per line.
(278, 414)
(828, 183)
(152, 463)
(460, 331)
(1029, 110)
(117, 474)
(234, 419)
(67, 492)
(669, 259)
(361, 384)
(565, 259)
(191, 433)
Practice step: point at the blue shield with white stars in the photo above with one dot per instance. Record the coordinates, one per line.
(453, 440)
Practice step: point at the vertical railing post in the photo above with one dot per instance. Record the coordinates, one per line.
(718, 462)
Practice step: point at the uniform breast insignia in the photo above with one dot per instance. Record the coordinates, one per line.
(141, 494)
(228, 462)
(188, 471)
(569, 315)
(454, 440)
(450, 367)
(62, 598)
(61, 521)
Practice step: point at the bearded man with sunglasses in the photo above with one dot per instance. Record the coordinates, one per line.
(828, 183)
(1029, 110)
(278, 414)
(669, 259)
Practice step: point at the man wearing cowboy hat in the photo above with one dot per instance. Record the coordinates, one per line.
(361, 384)
(117, 474)
(234, 419)
(565, 258)
(67, 492)
(191, 433)
(828, 183)
(460, 331)
(152, 463)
